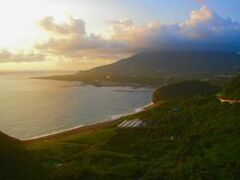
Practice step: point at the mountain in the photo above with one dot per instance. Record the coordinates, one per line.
(154, 67)
(173, 62)
(184, 90)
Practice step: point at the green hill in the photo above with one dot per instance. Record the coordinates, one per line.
(184, 90)
(232, 89)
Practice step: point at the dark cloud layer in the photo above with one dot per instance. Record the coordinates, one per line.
(204, 30)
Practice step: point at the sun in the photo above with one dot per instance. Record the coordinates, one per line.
(19, 22)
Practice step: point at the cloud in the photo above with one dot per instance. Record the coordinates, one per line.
(7, 56)
(75, 26)
(207, 30)
(71, 40)
(204, 30)
(204, 15)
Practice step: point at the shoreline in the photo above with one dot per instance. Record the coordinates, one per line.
(134, 85)
(68, 132)
(87, 127)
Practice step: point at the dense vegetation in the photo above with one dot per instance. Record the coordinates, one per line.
(191, 138)
(232, 89)
(159, 68)
(184, 90)
(16, 162)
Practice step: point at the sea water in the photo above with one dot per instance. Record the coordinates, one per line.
(32, 107)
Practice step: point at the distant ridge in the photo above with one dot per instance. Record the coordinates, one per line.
(175, 62)
(152, 66)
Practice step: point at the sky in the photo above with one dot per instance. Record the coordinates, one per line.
(81, 34)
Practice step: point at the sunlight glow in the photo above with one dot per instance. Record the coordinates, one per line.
(19, 28)
(81, 34)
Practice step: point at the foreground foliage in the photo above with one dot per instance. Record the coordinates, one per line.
(16, 162)
(194, 138)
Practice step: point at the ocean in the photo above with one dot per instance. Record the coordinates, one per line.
(32, 108)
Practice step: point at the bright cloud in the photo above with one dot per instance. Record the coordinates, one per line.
(204, 30)
(203, 15)
(71, 40)
(74, 26)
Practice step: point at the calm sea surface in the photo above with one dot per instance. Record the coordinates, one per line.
(31, 108)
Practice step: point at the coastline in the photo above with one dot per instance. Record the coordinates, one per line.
(88, 127)
(102, 83)
(71, 131)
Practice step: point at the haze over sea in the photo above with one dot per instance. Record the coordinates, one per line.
(31, 107)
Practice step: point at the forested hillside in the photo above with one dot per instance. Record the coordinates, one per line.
(184, 90)
(232, 89)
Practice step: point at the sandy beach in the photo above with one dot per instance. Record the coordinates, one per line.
(56, 135)
(84, 128)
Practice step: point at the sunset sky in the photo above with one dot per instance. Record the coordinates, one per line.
(80, 34)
